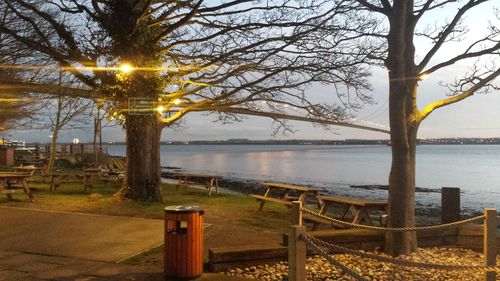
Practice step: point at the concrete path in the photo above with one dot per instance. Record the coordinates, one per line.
(83, 236)
(16, 266)
(45, 245)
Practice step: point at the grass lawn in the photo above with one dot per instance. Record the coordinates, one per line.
(231, 220)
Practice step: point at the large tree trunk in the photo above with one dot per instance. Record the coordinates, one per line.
(404, 120)
(143, 158)
(401, 177)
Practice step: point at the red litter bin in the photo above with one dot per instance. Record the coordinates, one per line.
(183, 241)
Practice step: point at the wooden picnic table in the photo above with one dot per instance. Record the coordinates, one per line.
(209, 181)
(9, 184)
(301, 192)
(85, 178)
(355, 210)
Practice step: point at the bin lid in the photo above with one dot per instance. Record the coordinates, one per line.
(184, 209)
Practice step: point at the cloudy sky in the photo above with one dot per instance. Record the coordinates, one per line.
(478, 116)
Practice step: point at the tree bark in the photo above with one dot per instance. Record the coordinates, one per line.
(143, 134)
(404, 121)
(402, 175)
(94, 143)
(53, 150)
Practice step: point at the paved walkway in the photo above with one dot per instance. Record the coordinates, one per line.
(83, 236)
(24, 266)
(43, 245)
(17, 266)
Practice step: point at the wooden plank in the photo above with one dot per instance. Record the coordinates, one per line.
(470, 241)
(246, 253)
(347, 235)
(286, 186)
(270, 199)
(12, 191)
(316, 220)
(220, 267)
(471, 229)
(354, 201)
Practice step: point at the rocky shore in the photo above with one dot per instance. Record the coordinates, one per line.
(317, 268)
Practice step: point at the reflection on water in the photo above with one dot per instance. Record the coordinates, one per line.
(474, 168)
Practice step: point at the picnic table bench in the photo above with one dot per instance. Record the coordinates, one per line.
(284, 194)
(87, 178)
(209, 181)
(15, 183)
(354, 210)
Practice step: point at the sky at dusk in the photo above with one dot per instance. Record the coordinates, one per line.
(478, 116)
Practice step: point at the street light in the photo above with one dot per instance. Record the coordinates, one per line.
(160, 109)
(126, 68)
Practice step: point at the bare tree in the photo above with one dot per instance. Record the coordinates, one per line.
(16, 108)
(101, 121)
(67, 110)
(407, 66)
(227, 57)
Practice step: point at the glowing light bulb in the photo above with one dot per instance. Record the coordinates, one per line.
(177, 101)
(126, 68)
(423, 76)
(160, 109)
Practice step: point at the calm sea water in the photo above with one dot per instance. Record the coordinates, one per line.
(473, 168)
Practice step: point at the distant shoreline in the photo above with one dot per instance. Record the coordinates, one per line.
(438, 141)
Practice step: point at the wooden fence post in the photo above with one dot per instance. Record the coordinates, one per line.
(296, 245)
(296, 213)
(296, 253)
(490, 241)
(450, 204)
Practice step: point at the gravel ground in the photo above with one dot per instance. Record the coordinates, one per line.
(318, 268)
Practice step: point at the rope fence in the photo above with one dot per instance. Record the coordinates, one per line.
(302, 240)
(392, 229)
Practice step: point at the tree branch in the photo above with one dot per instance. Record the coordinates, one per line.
(451, 100)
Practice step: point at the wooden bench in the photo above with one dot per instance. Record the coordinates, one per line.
(284, 197)
(208, 181)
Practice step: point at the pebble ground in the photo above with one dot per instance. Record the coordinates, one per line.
(318, 268)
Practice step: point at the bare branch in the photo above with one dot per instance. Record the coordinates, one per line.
(476, 86)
